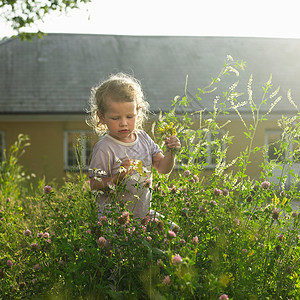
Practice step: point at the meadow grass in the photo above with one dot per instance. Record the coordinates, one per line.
(235, 237)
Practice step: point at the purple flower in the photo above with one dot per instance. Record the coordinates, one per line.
(27, 232)
(102, 242)
(36, 267)
(171, 234)
(167, 280)
(9, 263)
(34, 246)
(224, 297)
(124, 218)
(217, 192)
(196, 178)
(213, 202)
(294, 214)
(177, 259)
(47, 189)
(195, 240)
(187, 173)
(145, 220)
(265, 185)
(46, 235)
(225, 192)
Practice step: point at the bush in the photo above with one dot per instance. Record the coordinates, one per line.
(233, 237)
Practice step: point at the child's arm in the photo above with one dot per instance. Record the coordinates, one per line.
(103, 182)
(164, 164)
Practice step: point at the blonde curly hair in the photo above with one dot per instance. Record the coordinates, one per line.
(121, 87)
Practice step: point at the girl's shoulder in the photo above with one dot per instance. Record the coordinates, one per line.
(144, 138)
(103, 142)
(143, 134)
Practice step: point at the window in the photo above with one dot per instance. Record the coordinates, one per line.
(2, 145)
(214, 149)
(78, 148)
(207, 151)
(275, 152)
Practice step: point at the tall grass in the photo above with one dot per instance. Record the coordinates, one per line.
(236, 237)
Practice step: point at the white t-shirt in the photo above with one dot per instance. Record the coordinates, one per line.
(108, 155)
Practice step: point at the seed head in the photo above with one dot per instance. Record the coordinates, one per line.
(47, 189)
(27, 232)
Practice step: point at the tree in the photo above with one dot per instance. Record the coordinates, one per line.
(21, 14)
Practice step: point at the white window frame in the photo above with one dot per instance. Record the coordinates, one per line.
(269, 132)
(211, 165)
(82, 134)
(209, 159)
(277, 131)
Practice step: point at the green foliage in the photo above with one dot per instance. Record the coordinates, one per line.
(22, 14)
(226, 234)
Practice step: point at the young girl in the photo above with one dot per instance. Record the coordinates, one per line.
(126, 154)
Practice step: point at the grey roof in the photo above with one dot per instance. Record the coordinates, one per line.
(55, 74)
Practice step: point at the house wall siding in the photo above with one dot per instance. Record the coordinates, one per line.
(45, 155)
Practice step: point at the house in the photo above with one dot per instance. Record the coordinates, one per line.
(45, 85)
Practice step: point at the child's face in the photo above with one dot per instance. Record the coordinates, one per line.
(120, 119)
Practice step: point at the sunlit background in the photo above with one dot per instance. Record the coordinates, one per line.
(256, 18)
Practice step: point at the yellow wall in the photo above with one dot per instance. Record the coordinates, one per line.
(240, 142)
(45, 156)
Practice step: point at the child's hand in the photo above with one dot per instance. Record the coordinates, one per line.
(173, 142)
(127, 167)
(126, 163)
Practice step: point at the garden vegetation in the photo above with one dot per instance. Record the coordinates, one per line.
(234, 238)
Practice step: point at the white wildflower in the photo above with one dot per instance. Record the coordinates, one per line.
(273, 105)
(231, 69)
(270, 80)
(227, 122)
(275, 93)
(111, 186)
(229, 58)
(250, 92)
(289, 96)
(233, 87)
(240, 104)
(122, 169)
(118, 160)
